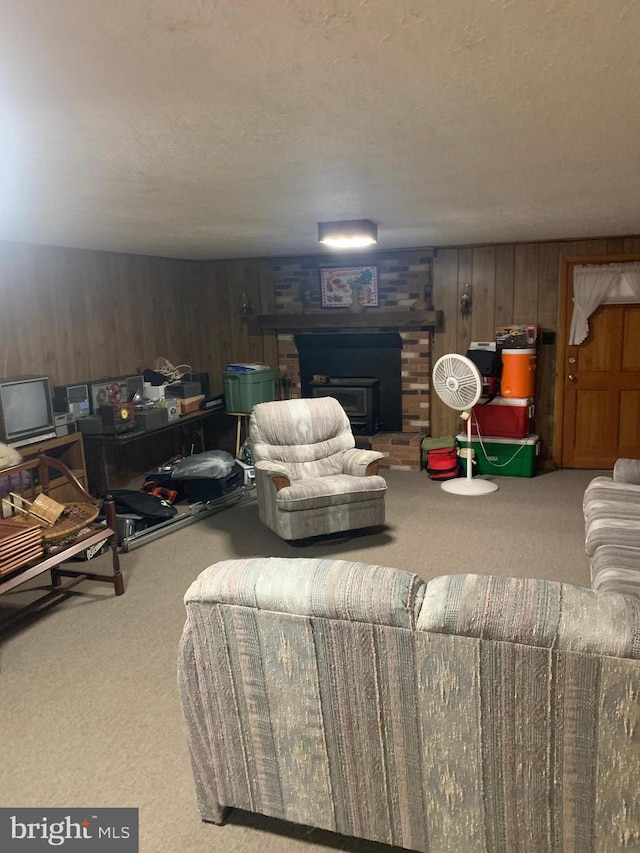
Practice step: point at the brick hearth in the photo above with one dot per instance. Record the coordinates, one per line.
(401, 450)
(399, 288)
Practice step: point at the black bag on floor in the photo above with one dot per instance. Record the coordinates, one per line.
(149, 507)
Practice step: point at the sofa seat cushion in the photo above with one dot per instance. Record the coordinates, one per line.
(603, 489)
(610, 527)
(329, 491)
(616, 568)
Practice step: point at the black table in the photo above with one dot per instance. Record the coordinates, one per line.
(115, 461)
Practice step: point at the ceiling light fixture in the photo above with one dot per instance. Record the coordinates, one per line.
(350, 234)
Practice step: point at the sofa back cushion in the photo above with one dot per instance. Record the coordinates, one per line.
(533, 612)
(330, 589)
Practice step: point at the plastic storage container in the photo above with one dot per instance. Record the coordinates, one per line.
(518, 373)
(244, 390)
(505, 417)
(505, 457)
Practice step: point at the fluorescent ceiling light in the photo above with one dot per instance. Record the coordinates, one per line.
(349, 234)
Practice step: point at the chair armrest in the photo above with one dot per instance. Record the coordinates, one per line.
(279, 475)
(361, 463)
(627, 471)
(532, 612)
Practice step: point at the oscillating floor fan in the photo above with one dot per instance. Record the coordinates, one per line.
(458, 383)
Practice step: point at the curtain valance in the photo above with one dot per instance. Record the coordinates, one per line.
(599, 284)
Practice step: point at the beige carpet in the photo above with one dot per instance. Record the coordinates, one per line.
(89, 707)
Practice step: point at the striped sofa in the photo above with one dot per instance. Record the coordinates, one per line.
(612, 528)
(472, 714)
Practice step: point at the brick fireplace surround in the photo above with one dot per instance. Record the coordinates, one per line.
(399, 287)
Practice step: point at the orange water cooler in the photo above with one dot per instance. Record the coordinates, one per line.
(518, 373)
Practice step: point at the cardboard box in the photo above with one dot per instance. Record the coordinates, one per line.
(516, 337)
(505, 457)
(189, 404)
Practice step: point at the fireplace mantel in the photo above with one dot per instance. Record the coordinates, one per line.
(336, 319)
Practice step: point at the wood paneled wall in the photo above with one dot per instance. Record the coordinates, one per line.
(79, 315)
(512, 284)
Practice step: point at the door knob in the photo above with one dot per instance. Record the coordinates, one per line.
(571, 377)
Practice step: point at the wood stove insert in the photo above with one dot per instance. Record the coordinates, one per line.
(359, 396)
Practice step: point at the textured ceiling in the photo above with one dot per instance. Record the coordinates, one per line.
(201, 129)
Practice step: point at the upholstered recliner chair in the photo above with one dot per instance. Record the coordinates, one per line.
(310, 477)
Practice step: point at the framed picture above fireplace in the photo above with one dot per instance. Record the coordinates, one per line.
(344, 286)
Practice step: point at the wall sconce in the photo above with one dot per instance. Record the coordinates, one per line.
(349, 234)
(466, 299)
(247, 308)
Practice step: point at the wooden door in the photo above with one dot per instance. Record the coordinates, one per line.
(601, 386)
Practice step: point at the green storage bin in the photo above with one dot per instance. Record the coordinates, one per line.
(504, 457)
(245, 389)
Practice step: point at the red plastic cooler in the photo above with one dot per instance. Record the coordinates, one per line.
(503, 417)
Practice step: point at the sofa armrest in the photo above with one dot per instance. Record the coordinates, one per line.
(531, 612)
(361, 463)
(278, 474)
(627, 471)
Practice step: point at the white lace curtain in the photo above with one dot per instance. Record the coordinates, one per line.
(598, 284)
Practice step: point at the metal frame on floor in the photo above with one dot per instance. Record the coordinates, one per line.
(194, 512)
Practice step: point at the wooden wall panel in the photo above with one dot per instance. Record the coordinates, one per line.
(483, 278)
(505, 278)
(227, 336)
(525, 289)
(549, 259)
(443, 421)
(525, 284)
(80, 315)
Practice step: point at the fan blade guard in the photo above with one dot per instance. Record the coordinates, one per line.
(457, 381)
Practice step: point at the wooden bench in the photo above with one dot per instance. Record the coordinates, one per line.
(33, 477)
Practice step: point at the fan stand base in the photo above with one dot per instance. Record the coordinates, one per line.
(466, 486)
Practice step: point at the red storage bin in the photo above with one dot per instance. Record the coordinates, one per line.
(503, 417)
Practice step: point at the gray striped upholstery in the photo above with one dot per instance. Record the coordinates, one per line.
(612, 528)
(627, 471)
(310, 442)
(481, 715)
(547, 614)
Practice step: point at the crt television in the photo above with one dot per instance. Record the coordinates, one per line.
(26, 410)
